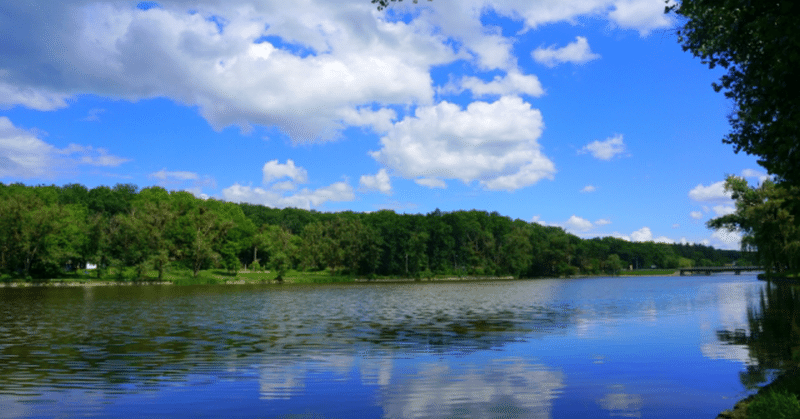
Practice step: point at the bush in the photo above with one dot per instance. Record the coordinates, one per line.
(774, 405)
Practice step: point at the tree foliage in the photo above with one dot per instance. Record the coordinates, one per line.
(758, 43)
(763, 217)
(48, 230)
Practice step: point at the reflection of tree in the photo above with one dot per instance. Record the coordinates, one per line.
(102, 338)
(774, 337)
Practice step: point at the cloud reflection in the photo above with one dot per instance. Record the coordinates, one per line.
(510, 387)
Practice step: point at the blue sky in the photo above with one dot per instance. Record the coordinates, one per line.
(584, 114)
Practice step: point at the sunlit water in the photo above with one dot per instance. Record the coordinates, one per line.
(602, 347)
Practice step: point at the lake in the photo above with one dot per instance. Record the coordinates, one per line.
(651, 347)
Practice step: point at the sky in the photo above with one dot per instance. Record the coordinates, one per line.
(584, 114)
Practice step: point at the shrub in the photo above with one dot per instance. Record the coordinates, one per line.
(774, 405)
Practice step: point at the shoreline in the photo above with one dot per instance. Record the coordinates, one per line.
(290, 281)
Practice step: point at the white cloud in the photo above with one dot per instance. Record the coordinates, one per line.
(676, 225)
(431, 182)
(308, 68)
(605, 150)
(696, 215)
(750, 173)
(588, 188)
(163, 174)
(94, 156)
(23, 154)
(576, 223)
(642, 235)
(273, 170)
(278, 194)
(182, 180)
(642, 15)
(378, 182)
(494, 143)
(602, 222)
(577, 52)
(714, 192)
(724, 239)
(305, 199)
(233, 76)
(513, 83)
(721, 210)
(93, 115)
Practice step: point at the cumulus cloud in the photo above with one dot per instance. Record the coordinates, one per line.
(431, 182)
(721, 210)
(588, 188)
(378, 182)
(696, 215)
(642, 235)
(236, 75)
(577, 52)
(576, 223)
(304, 199)
(513, 83)
(273, 170)
(714, 192)
(308, 68)
(605, 150)
(183, 180)
(279, 194)
(724, 239)
(750, 173)
(642, 15)
(23, 154)
(493, 143)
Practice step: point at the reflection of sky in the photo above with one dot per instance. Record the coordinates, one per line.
(437, 388)
(732, 303)
(539, 349)
(622, 404)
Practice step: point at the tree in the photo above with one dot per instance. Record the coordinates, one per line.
(757, 43)
(614, 264)
(767, 225)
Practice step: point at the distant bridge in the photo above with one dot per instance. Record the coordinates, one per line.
(708, 270)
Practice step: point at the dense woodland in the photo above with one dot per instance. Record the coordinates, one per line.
(48, 230)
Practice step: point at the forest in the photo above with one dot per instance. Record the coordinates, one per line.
(47, 231)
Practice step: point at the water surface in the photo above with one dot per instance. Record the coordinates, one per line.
(654, 347)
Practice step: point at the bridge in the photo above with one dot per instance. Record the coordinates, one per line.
(708, 270)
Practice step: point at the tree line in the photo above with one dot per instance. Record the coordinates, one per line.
(47, 230)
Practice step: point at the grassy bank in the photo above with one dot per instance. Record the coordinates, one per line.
(181, 277)
(777, 400)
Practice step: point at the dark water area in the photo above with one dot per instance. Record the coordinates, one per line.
(655, 347)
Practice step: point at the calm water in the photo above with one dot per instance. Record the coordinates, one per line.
(602, 347)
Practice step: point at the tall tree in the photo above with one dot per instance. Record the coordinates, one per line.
(762, 216)
(757, 43)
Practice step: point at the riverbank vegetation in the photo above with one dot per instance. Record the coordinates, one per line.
(50, 232)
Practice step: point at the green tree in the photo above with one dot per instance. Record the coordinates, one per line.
(762, 216)
(757, 43)
(614, 264)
